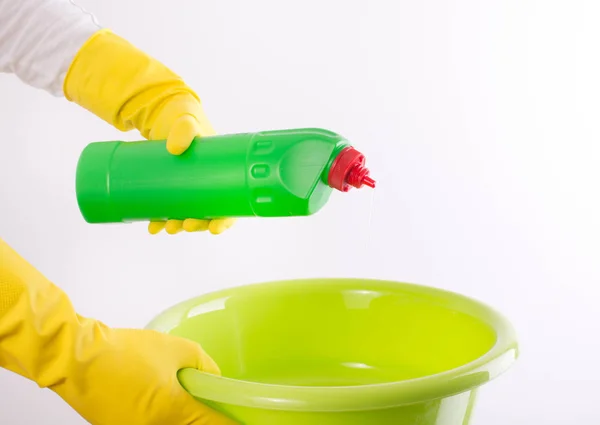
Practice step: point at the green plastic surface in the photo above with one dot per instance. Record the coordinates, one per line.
(342, 352)
(267, 174)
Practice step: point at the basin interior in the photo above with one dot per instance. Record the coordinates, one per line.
(336, 335)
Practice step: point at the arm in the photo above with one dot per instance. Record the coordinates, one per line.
(59, 47)
(107, 375)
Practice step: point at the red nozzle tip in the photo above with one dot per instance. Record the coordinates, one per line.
(368, 181)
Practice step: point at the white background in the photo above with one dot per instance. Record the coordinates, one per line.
(479, 120)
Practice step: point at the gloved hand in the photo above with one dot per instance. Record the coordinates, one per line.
(127, 88)
(110, 376)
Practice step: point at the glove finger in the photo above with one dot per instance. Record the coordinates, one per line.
(174, 226)
(155, 227)
(208, 365)
(204, 415)
(193, 355)
(194, 412)
(194, 225)
(216, 227)
(182, 134)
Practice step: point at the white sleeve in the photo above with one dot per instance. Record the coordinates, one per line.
(40, 38)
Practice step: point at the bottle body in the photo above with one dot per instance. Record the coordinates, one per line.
(266, 174)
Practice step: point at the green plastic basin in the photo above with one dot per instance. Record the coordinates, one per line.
(342, 352)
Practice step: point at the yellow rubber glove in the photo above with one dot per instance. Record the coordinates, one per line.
(109, 376)
(129, 89)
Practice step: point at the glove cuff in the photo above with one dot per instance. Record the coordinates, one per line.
(40, 332)
(121, 84)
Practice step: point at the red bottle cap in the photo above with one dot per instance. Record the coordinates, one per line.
(348, 169)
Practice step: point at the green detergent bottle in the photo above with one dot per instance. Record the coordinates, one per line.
(267, 174)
